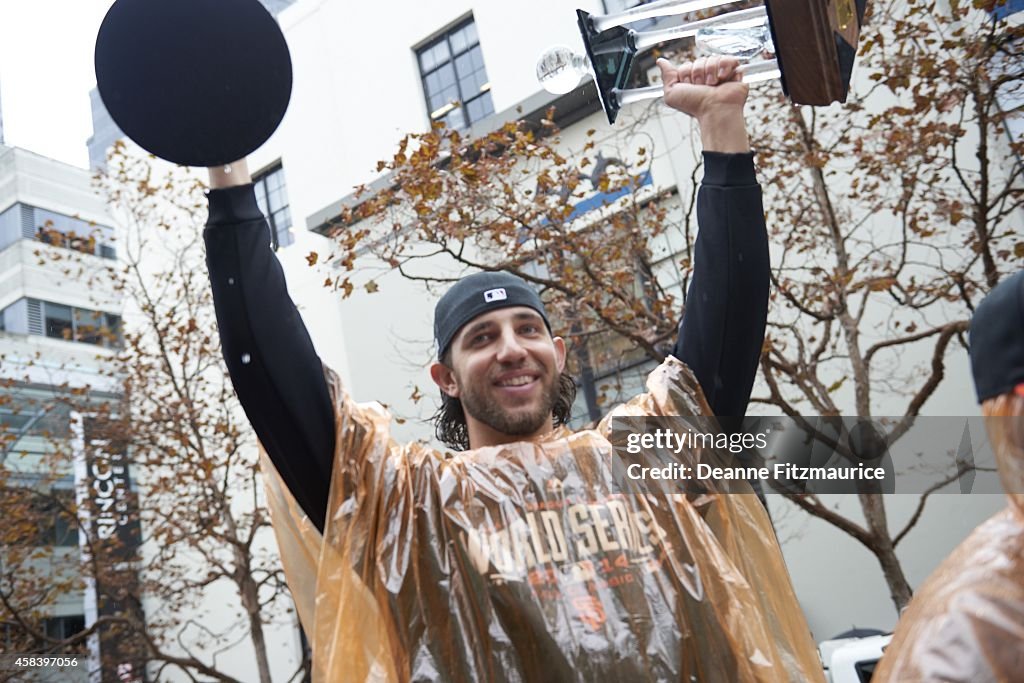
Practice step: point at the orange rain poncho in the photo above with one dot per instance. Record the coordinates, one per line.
(526, 562)
(966, 623)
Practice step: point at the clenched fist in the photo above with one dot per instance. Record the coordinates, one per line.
(710, 90)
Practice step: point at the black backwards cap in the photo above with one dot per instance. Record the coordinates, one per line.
(480, 293)
(997, 339)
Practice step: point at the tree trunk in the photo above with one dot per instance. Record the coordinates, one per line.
(250, 599)
(882, 546)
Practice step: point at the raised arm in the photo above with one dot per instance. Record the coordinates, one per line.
(274, 368)
(723, 325)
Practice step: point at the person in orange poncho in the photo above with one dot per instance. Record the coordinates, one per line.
(966, 623)
(521, 557)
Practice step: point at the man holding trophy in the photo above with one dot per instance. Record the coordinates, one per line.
(521, 557)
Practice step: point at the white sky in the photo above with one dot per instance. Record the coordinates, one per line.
(46, 72)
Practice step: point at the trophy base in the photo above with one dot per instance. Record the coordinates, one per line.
(815, 44)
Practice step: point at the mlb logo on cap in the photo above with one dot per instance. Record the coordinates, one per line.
(498, 294)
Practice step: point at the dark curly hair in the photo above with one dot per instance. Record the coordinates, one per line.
(450, 419)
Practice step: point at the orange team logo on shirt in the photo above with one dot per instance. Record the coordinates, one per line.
(590, 610)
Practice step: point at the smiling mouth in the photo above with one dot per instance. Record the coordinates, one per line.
(518, 381)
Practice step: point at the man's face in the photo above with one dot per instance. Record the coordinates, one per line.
(504, 368)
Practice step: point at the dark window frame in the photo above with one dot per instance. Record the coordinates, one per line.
(278, 228)
(462, 103)
(25, 221)
(62, 230)
(64, 627)
(51, 320)
(107, 335)
(58, 527)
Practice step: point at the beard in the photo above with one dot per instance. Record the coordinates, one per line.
(477, 403)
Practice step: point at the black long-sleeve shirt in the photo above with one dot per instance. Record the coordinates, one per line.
(279, 377)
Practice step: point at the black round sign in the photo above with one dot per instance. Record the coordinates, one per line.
(195, 82)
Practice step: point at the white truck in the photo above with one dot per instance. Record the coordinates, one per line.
(852, 659)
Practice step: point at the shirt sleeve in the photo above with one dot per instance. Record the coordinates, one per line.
(723, 326)
(273, 365)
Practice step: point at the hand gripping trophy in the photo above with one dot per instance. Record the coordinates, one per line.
(808, 44)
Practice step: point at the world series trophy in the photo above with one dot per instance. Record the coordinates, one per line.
(808, 44)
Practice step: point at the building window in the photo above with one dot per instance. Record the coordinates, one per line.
(60, 321)
(55, 522)
(62, 628)
(71, 233)
(455, 81)
(10, 226)
(272, 197)
(22, 221)
(89, 326)
(33, 416)
(14, 318)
